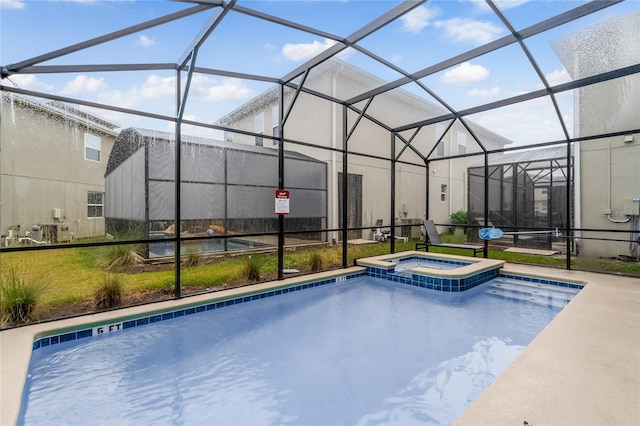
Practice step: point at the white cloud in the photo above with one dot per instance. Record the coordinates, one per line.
(145, 41)
(484, 93)
(82, 83)
(210, 89)
(28, 82)
(397, 58)
(469, 30)
(155, 87)
(414, 21)
(556, 77)
(525, 123)
(303, 51)
(465, 73)
(12, 4)
(269, 46)
(502, 4)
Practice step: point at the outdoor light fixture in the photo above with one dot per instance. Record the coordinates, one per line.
(628, 138)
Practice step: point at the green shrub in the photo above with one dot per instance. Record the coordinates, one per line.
(120, 258)
(191, 258)
(251, 269)
(458, 218)
(18, 295)
(108, 294)
(316, 261)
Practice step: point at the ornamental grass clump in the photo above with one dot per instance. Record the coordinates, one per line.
(190, 259)
(316, 261)
(251, 269)
(18, 295)
(109, 292)
(120, 258)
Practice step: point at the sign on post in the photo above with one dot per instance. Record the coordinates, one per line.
(282, 201)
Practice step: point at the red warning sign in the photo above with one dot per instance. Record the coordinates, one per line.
(282, 201)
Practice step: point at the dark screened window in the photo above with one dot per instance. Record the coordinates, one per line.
(95, 204)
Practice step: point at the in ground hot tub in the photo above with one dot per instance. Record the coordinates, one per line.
(436, 271)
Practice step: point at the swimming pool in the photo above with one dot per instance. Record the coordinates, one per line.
(286, 359)
(166, 248)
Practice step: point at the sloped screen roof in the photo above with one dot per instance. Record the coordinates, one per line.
(510, 67)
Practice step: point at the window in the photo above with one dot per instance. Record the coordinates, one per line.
(462, 143)
(275, 123)
(440, 149)
(443, 192)
(95, 204)
(92, 147)
(259, 128)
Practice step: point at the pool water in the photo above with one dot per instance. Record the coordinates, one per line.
(428, 263)
(364, 351)
(166, 248)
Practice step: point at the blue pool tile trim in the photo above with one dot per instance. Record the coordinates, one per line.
(542, 281)
(434, 283)
(130, 323)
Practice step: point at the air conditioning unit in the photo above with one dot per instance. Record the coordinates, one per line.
(56, 232)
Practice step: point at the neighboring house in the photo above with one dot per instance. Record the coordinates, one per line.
(607, 169)
(318, 121)
(52, 170)
(226, 187)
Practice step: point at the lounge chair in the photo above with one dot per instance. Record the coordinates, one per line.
(433, 239)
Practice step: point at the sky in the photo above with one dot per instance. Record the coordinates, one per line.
(426, 36)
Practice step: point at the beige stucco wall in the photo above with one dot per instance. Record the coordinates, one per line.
(610, 167)
(318, 121)
(44, 168)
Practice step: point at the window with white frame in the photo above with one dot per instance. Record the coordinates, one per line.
(443, 192)
(462, 143)
(95, 204)
(259, 128)
(440, 149)
(92, 147)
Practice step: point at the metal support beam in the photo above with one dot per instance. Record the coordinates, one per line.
(345, 188)
(281, 172)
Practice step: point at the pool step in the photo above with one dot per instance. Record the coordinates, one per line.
(541, 294)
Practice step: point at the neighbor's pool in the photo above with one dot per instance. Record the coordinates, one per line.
(361, 351)
(166, 248)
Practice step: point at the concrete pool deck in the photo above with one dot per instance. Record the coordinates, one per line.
(583, 368)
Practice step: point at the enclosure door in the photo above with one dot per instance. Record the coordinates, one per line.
(354, 204)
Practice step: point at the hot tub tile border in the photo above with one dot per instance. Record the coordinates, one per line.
(435, 283)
